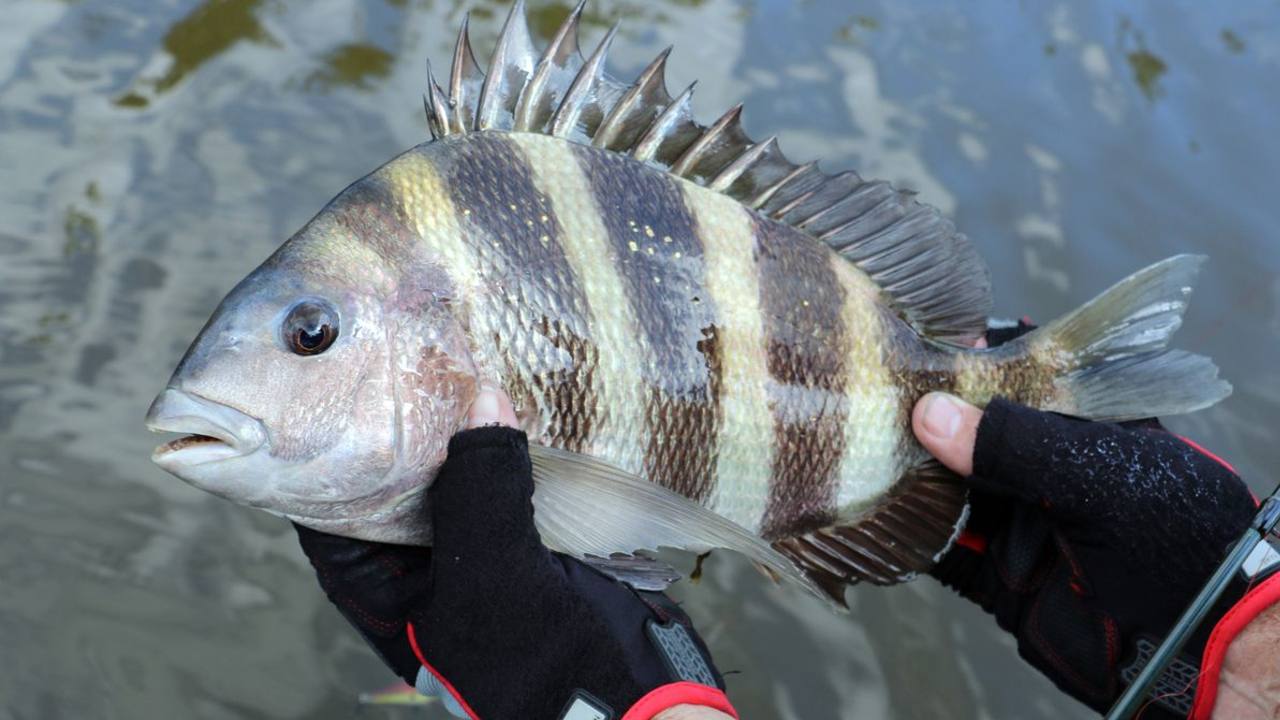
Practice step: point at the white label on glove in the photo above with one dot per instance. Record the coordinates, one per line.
(1262, 558)
(582, 708)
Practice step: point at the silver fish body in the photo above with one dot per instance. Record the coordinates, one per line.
(708, 345)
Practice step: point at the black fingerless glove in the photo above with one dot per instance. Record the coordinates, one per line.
(508, 628)
(374, 586)
(1087, 540)
(550, 626)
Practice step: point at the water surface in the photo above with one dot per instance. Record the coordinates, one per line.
(152, 153)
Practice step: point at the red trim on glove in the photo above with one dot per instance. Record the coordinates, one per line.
(413, 643)
(1230, 626)
(680, 693)
(1207, 454)
(972, 540)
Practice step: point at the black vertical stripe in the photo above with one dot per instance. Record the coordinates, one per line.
(370, 210)
(656, 246)
(801, 302)
(512, 225)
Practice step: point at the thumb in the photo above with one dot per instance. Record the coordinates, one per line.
(946, 426)
(491, 407)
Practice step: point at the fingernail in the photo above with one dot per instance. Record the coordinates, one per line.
(484, 409)
(942, 415)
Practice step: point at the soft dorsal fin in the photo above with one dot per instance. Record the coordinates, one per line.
(929, 272)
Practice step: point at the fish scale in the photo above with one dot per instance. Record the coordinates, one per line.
(709, 346)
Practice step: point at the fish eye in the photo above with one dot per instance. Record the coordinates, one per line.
(310, 327)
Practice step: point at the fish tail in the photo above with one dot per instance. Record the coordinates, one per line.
(1109, 359)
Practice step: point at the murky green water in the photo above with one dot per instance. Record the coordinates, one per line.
(151, 153)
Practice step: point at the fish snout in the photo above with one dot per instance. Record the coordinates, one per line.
(214, 431)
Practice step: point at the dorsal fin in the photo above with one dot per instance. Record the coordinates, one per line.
(928, 271)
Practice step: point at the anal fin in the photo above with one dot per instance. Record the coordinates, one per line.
(902, 536)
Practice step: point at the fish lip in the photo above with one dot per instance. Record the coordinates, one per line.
(181, 411)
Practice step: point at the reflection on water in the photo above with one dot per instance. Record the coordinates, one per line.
(151, 154)
(353, 64)
(1147, 67)
(1232, 41)
(208, 30)
(211, 28)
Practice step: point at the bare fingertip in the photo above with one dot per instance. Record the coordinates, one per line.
(491, 407)
(945, 426)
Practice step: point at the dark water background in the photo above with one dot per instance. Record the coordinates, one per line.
(151, 153)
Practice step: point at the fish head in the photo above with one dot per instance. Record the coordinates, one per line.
(324, 388)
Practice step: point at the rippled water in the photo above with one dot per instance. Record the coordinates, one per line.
(151, 153)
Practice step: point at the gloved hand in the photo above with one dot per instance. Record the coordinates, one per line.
(1085, 540)
(504, 627)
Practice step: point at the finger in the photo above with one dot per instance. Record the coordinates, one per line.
(481, 505)
(946, 426)
(491, 407)
(480, 501)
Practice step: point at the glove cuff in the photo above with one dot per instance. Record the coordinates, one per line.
(1263, 596)
(679, 693)
(440, 680)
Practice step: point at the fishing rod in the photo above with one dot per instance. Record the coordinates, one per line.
(1264, 523)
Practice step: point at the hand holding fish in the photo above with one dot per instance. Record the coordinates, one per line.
(496, 624)
(1086, 540)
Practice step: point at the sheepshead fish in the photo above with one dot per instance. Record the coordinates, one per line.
(708, 345)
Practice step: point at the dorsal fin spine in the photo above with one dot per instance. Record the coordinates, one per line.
(689, 158)
(437, 107)
(462, 78)
(651, 80)
(570, 110)
(734, 170)
(647, 147)
(562, 50)
(513, 51)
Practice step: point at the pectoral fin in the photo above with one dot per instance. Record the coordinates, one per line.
(585, 507)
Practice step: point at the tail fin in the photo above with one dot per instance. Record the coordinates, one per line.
(1116, 364)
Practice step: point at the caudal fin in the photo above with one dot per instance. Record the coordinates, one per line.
(1112, 353)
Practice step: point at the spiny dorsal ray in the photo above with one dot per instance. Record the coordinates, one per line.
(584, 94)
(555, 70)
(509, 71)
(465, 81)
(907, 247)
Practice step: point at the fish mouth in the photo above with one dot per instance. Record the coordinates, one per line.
(214, 432)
